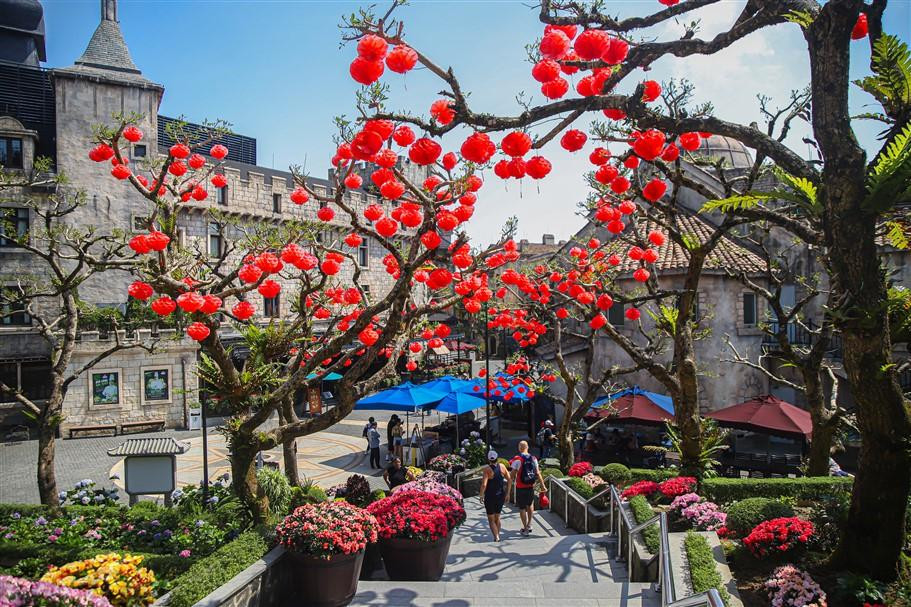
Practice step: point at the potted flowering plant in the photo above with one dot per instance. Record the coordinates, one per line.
(415, 529)
(327, 542)
(447, 462)
(429, 484)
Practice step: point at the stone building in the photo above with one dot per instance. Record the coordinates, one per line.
(51, 112)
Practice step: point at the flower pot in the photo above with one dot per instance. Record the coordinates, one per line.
(328, 582)
(415, 560)
(373, 560)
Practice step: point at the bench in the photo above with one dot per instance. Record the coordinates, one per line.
(96, 428)
(157, 423)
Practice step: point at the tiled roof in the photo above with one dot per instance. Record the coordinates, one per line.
(728, 254)
(108, 50)
(149, 446)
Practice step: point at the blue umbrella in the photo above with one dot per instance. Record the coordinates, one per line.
(333, 376)
(457, 403)
(406, 397)
(446, 384)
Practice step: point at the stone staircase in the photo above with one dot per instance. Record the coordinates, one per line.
(553, 566)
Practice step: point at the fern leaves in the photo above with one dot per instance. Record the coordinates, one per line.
(890, 83)
(889, 176)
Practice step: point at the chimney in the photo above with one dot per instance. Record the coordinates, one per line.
(109, 10)
(548, 239)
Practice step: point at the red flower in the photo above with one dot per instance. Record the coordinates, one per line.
(640, 488)
(778, 535)
(417, 515)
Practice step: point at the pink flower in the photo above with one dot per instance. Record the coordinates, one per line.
(184, 554)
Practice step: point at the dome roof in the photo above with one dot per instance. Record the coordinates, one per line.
(24, 15)
(735, 154)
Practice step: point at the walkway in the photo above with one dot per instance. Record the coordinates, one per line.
(551, 567)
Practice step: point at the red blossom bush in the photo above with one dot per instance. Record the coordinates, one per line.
(417, 515)
(329, 528)
(580, 469)
(778, 535)
(679, 485)
(640, 488)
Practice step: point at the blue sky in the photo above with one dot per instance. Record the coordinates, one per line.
(274, 69)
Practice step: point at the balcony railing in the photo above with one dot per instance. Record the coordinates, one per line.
(799, 334)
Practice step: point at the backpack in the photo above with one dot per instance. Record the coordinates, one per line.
(529, 471)
(365, 431)
(540, 436)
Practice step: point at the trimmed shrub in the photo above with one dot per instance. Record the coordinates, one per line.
(728, 490)
(703, 573)
(615, 474)
(744, 515)
(555, 472)
(643, 512)
(7, 510)
(216, 569)
(578, 485)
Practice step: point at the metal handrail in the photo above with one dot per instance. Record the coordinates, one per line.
(570, 493)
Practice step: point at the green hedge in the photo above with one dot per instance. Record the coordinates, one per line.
(615, 474)
(32, 561)
(728, 490)
(642, 512)
(703, 572)
(556, 472)
(7, 510)
(744, 515)
(584, 490)
(209, 573)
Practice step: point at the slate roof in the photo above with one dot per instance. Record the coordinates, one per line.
(149, 446)
(727, 254)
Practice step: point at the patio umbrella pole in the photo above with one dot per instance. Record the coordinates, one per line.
(487, 372)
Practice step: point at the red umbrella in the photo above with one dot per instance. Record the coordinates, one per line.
(766, 414)
(634, 406)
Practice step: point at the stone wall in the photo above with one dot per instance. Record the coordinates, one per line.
(86, 400)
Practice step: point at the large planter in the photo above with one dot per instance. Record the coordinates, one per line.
(373, 560)
(415, 560)
(326, 582)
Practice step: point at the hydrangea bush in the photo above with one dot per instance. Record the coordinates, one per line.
(326, 529)
(417, 515)
(447, 462)
(793, 587)
(474, 450)
(705, 516)
(117, 577)
(19, 592)
(84, 493)
(682, 501)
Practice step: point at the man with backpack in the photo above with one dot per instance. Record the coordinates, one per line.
(546, 439)
(525, 473)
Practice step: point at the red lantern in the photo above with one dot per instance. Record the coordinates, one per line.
(641, 275)
(554, 89)
(368, 336)
(190, 302)
(424, 151)
(140, 244)
(516, 143)
(299, 196)
(386, 227)
(249, 273)
(516, 168)
(619, 185)
(651, 90)
(614, 114)
(365, 144)
(656, 238)
(447, 221)
(450, 160)
(439, 278)
(353, 240)
(365, 71)
(373, 212)
(177, 168)
(654, 190)
(372, 48)
(219, 181)
(101, 152)
(179, 150)
(210, 305)
(325, 214)
(353, 181)
(554, 45)
(597, 321)
(243, 310)
(592, 44)
(670, 153)
(606, 173)
(163, 306)
(569, 30)
(158, 241)
(599, 156)
(269, 289)
(330, 267)
(383, 128)
(392, 189)
(545, 70)
(121, 171)
(616, 52)
(198, 331)
(401, 59)
(605, 301)
(690, 141)
(431, 239)
(632, 314)
(199, 193)
(411, 365)
(650, 255)
(478, 148)
(648, 145)
(218, 152)
(442, 111)
(627, 207)
(132, 134)
(140, 290)
(403, 136)
(538, 167)
(861, 27)
(573, 140)
(196, 162)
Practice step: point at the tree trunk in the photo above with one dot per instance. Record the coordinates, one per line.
(47, 478)
(243, 475)
(823, 426)
(289, 451)
(565, 443)
(686, 402)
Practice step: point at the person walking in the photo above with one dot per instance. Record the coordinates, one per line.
(366, 432)
(390, 429)
(546, 439)
(525, 473)
(374, 439)
(495, 486)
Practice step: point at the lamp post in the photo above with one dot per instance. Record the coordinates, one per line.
(487, 371)
(205, 453)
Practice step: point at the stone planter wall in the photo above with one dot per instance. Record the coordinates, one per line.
(574, 512)
(643, 566)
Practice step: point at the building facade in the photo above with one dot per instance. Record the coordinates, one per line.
(51, 113)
